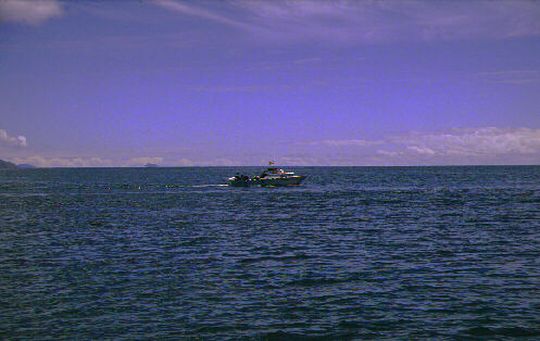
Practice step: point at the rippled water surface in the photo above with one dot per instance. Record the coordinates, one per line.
(353, 253)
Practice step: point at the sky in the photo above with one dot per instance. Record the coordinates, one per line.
(241, 82)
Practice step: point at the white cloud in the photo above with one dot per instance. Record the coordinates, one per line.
(421, 150)
(31, 12)
(485, 145)
(17, 141)
(388, 153)
(486, 141)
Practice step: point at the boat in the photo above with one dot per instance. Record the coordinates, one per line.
(270, 177)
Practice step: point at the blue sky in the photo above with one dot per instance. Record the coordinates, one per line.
(180, 83)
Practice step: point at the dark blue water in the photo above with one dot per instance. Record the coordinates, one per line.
(354, 253)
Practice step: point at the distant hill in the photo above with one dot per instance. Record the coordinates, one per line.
(7, 165)
(25, 165)
(151, 165)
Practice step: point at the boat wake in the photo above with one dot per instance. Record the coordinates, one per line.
(210, 185)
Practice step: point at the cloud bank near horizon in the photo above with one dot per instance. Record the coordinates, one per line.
(485, 145)
(459, 146)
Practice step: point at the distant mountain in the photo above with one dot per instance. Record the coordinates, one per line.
(25, 165)
(151, 165)
(7, 165)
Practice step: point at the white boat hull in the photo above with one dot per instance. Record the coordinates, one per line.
(283, 181)
(294, 180)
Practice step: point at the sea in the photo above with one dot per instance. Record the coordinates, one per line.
(353, 253)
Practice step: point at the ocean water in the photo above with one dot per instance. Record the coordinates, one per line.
(354, 253)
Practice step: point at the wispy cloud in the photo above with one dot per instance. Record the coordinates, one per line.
(510, 76)
(345, 143)
(240, 88)
(29, 12)
(190, 9)
(375, 21)
(421, 150)
(369, 21)
(13, 141)
(259, 87)
(387, 153)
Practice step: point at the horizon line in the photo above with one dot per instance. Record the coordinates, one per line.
(258, 166)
